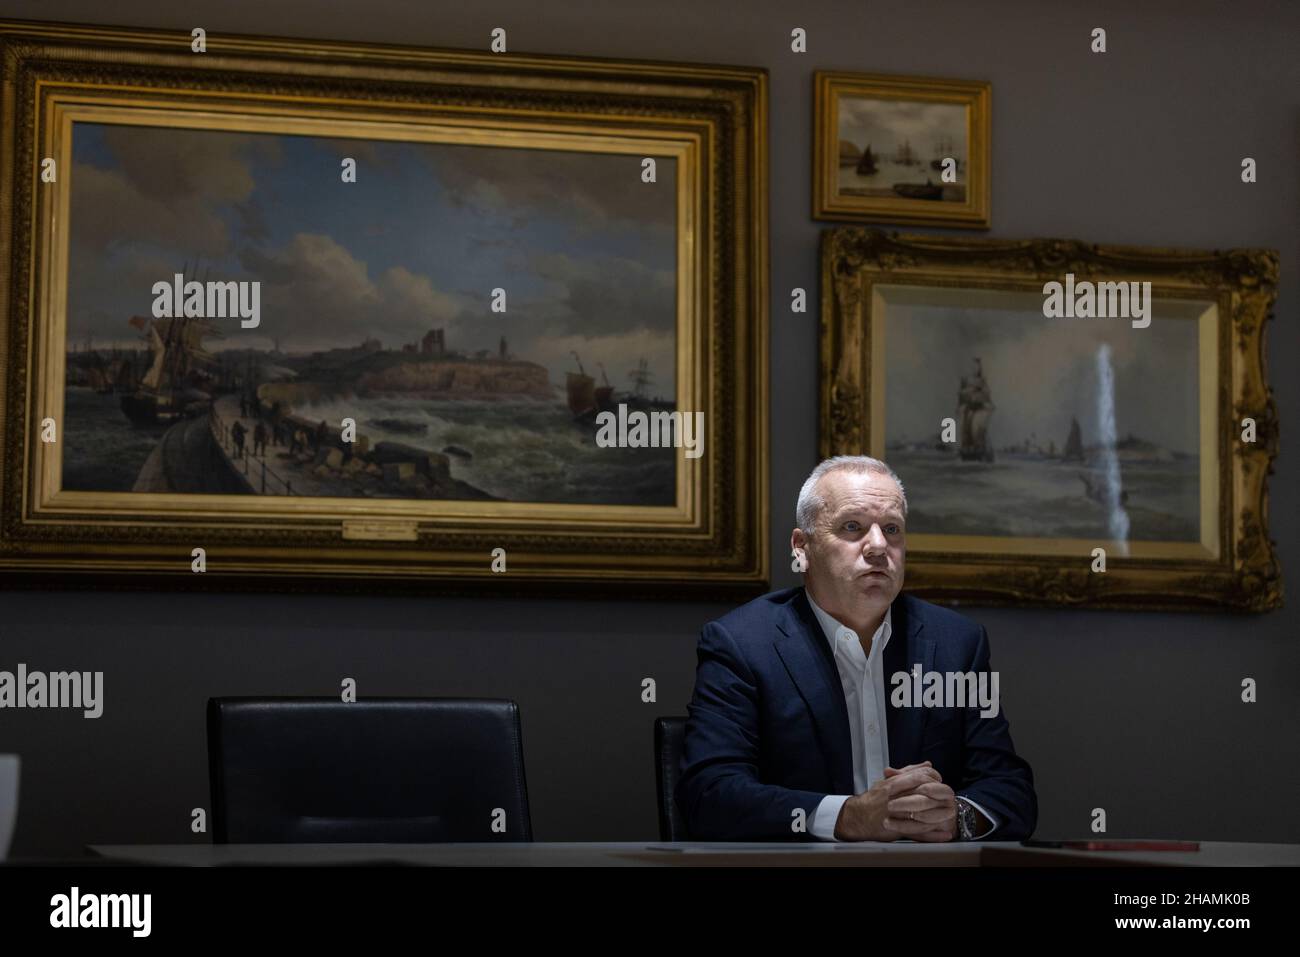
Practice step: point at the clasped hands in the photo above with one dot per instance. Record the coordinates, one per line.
(911, 802)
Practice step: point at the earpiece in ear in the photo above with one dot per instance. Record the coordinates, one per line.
(800, 563)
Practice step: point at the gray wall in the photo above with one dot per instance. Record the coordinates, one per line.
(1136, 713)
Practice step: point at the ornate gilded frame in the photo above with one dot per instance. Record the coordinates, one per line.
(712, 118)
(1241, 572)
(975, 95)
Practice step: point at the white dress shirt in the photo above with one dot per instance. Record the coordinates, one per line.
(862, 677)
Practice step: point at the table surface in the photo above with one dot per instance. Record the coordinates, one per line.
(641, 853)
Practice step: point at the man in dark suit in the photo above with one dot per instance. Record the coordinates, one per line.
(793, 733)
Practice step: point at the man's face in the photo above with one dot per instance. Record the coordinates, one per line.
(855, 555)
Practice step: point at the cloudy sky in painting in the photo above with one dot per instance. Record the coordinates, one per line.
(885, 124)
(584, 249)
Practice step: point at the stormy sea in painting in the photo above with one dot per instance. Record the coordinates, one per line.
(523, 451)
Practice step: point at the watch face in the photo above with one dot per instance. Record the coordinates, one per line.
(965, 820)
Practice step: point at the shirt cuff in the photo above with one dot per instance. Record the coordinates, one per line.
(826, 816)
(991, 819)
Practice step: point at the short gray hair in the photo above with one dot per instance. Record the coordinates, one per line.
(810, 503)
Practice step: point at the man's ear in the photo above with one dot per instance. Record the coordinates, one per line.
(798, 551)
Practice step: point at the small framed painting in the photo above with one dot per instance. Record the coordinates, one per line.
(901, 149)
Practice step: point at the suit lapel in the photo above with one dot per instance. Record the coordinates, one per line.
(810, 662)
(905, 724)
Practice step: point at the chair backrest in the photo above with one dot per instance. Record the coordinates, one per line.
(379, 770)
(668, 769)
(10, 765)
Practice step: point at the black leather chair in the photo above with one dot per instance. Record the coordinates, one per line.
(380, 770)
(668, 769)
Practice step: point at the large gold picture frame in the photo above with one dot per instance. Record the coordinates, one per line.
(705, 124)
(938, 355)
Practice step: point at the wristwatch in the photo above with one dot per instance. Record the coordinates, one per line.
(966, 822)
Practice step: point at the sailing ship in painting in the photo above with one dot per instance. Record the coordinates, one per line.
(107, 375)
(927, 190)
(944, 150)
(865, 162)
(587, 400)
(182, 375)
(867, 165)
(867, 172)
(974, 410)
(904, 156)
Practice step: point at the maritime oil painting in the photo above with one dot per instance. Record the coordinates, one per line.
(1112, 457)
(472, 309)
(383, 317)
(901, 149)
(1053, 429)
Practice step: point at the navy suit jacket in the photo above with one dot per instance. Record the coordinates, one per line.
(768, 730)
